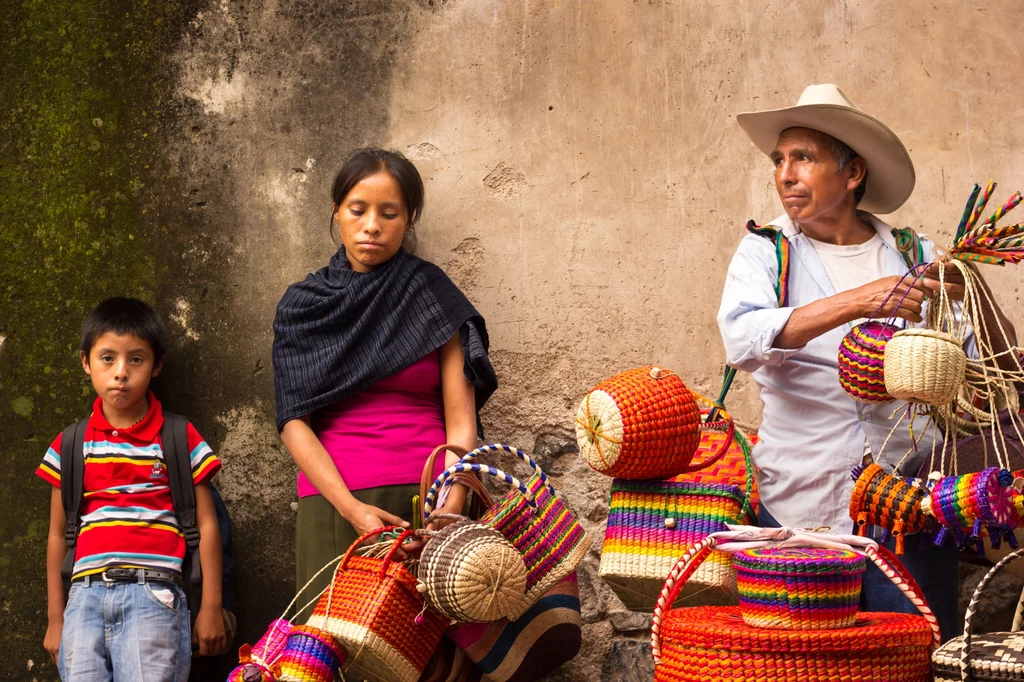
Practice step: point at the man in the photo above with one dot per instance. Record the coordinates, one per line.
(835, 167)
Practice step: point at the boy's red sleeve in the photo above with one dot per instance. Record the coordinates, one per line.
(49, 468)
(205, 464)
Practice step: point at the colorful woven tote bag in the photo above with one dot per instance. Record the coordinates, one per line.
(531, 516)
(983, 657)
(714, 643)
(374, 610)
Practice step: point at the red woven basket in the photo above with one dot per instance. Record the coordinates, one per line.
(642, 424)
(374, 610)
(713, 643)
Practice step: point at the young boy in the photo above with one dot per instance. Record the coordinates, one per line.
(126, 616)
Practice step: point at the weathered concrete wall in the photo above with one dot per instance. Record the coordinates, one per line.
(586, 184)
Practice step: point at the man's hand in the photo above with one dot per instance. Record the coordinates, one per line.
(953, 280)
(210, 632)
(51, 642)
(892, 298)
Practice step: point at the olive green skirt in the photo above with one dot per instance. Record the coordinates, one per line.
(321, 534)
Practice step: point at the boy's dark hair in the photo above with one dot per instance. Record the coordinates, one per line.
(365, 162)
(124, 316)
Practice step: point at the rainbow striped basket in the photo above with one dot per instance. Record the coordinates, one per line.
(311, 655)
(862, 361)
(799, 588)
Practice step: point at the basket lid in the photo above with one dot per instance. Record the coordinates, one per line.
(722, 628)
(799, 561)
(994, 656)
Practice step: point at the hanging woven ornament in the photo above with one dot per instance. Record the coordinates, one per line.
(887, 501)
(966, 504)
(311, 655)
(861, 366)
(256, 662)
(643, 424)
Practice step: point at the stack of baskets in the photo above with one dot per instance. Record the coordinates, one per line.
(645, 429)
(797, 618)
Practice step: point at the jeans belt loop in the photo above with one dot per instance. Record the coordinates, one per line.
(141, 575)
(86, 581)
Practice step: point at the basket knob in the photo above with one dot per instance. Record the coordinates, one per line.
(670, 523)
(657, 372)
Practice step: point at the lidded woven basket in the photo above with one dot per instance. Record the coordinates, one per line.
(861, 361)
(799, 588)
(641, 424)
(471, 573)
(924, 366)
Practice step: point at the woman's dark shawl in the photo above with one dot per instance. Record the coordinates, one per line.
(338, 331)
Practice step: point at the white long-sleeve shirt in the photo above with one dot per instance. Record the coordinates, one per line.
(813, 432)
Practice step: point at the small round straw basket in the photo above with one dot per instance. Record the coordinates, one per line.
(641, 424)
(471, 573)
(311, 655)
(799, 588)
(924, 366)
(861, 361)
(887, 501)
(256, 661)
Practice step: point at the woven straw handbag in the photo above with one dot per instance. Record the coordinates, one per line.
(980, 658)
(375, 611)
(531, 516)
(714, 643)
(641, 424)
(652, 523)
(469, 572)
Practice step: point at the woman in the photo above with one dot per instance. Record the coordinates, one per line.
(378, 358)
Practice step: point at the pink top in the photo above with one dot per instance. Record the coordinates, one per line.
(383, 435)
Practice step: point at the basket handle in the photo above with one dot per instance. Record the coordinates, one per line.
(965, 654)
(901, 578)
(388, 558)
(496, 447)
(722, 448)
(681, 571)
(463, 466)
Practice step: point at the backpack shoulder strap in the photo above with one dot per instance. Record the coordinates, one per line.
(72, 486)
(174, 437)
(781, 257)
(909, 245)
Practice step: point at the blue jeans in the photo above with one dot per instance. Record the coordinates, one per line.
(125, 632)
(934, 568)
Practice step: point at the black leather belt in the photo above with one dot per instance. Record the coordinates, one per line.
(131, 575)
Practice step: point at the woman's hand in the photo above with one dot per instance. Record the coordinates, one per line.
(365, 517)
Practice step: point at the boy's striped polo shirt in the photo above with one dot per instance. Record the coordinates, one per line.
(128, 518)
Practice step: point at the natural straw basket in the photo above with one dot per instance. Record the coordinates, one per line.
(470, 572)
(805, 588)
(861, 361)
(311, 655)
(641, 424)
(531, 516)
(924, 366)
(372, 607)
(713, 643)
(987, 657)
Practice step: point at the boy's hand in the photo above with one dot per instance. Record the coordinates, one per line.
(210, 632)
(51, 642)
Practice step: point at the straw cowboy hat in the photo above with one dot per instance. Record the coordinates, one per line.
(825, 108)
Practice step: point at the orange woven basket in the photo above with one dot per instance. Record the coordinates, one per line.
(714, 643)
(373, 608)
(641, 424)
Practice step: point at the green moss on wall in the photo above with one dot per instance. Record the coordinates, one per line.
(84, 85)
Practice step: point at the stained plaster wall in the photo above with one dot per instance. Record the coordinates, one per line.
(586, 185)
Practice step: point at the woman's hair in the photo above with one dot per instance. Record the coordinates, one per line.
(365, 162)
